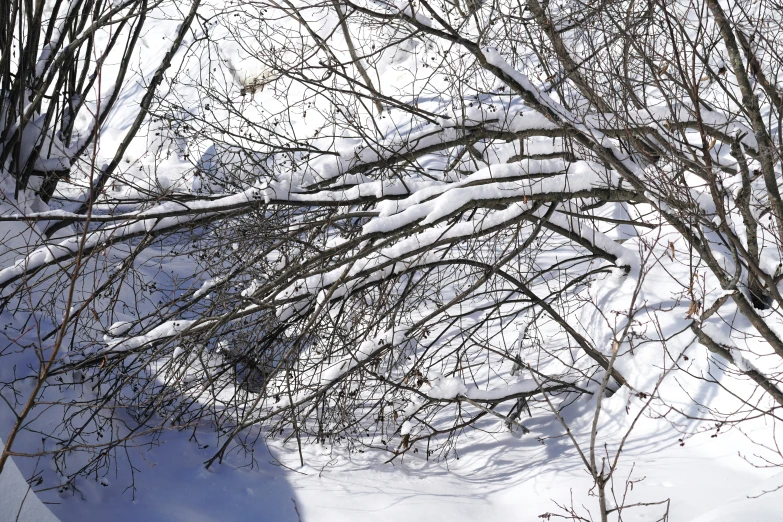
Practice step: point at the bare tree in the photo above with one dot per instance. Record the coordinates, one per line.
(402, 220)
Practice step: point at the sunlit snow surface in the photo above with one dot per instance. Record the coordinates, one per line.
(499, 476)
(495, 479)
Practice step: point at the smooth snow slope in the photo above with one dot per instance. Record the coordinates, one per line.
(498, 478)
(17, 502)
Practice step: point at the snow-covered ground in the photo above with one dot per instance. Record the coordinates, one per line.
(496, 478)
(688, 468)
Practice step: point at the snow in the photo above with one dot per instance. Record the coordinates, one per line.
(758, 503)
(17, 501)
(207, 285)
(496, 478)
(119, 328)
(162, 331)
(500, 392)
(447, 388)
(505, 480)
(490, 474)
